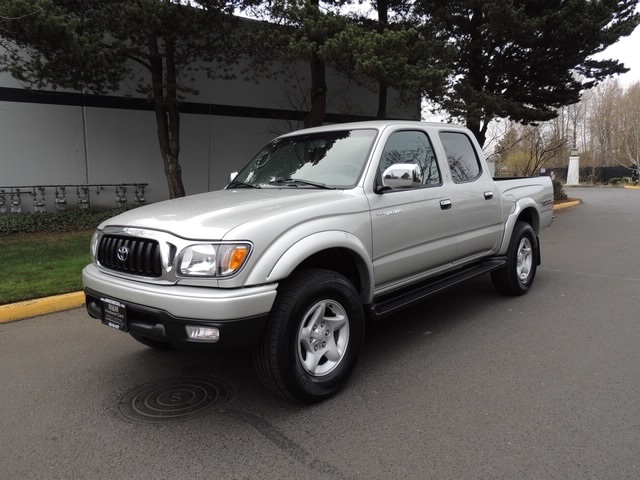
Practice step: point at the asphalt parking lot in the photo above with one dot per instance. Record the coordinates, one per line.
(467, 385)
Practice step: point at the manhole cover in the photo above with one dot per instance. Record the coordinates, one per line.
(174, 399)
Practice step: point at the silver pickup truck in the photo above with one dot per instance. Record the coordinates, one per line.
(324, 229)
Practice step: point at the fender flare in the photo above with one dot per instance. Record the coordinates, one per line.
(297, 253)
(519, 207)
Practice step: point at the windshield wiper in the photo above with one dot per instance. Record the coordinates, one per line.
(235, 184)
(294, 182)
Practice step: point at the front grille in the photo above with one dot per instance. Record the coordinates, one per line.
(142, 256)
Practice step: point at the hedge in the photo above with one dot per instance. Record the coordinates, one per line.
(73, 220)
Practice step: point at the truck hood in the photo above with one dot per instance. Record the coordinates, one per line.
(209, 216)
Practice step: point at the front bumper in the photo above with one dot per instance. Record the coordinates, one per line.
(162, 312)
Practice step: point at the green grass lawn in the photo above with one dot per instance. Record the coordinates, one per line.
(42, 264)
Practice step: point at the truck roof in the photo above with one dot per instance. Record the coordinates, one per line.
(377, 124)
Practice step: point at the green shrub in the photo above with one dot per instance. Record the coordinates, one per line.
(73, 220)
(558, 191)
(591, 179)
(615, 181)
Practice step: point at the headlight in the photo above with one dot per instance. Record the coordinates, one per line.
(212, 260)
(94, 245)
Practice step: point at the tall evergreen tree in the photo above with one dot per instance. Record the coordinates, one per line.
(524, 59)
(95, 45)
(397, 10)
(293, 31)
(392, 50)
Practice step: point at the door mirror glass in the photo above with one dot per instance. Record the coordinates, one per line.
(402, 175)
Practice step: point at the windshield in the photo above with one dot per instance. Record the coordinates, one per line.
(320, 160)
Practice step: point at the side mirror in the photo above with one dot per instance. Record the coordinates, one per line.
(402, 175)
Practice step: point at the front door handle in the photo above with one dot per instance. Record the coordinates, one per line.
(445, 204)
(488, 195)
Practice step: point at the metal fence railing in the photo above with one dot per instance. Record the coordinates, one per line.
(61, 197)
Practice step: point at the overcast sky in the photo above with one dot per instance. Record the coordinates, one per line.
(627, 50)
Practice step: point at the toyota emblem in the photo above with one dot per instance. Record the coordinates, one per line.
(123, 253)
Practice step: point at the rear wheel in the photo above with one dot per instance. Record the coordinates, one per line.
(522, 261)
(313, 337)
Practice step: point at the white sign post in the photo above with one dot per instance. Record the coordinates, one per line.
(573, 175)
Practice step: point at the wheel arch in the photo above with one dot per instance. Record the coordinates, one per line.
(531, 216)
(341, 252)
(526, 210)
(346, 262)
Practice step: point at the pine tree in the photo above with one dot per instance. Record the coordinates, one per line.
(296, 31)
(392, 50)
(524, 59)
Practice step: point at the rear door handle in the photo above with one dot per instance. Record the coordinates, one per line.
(488, 195)
(445, 204)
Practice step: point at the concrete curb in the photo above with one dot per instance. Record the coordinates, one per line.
(40, 306)
(562, 206)
(60, 303)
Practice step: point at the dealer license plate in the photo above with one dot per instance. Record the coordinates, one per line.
(114, 313)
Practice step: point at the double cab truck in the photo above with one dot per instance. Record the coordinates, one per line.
(322, 231)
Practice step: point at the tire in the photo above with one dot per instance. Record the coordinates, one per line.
(149, 342)
(517, 276)
(313, 336)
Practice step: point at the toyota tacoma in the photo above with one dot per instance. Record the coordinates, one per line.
(323, 230)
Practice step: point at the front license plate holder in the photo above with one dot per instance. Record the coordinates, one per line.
(114, 314)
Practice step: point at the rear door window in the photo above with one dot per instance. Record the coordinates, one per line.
(461, 157)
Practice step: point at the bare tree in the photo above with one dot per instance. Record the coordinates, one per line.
(604, 127)
(605, 122)
(502, 141)
(629, 130)
(528, 148)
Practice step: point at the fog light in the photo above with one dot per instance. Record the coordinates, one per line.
(203, 334)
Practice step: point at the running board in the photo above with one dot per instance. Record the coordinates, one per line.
(398, 299)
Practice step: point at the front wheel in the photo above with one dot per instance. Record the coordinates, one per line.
(516, 277)
(313, 337)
